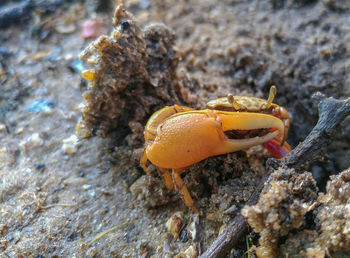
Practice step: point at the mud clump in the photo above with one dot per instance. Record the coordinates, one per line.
(331, 224)
(152, 190)
(302, 244)
(333, 215)
(290, 226)
(133, 74)
(281, 208)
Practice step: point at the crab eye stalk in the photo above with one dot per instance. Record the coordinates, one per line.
(233, 102)
(272, 94)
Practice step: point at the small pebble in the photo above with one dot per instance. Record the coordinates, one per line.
(175, 224)
(74, 181)
(70, 145)
(40, 167)
(231, 211)
(192, 227)
(65, 28)
(3, 227)
(183, 235)
(190, 252)
(72, 237)
(2, 127)
(80, 107)
(20, 130)
(88, 75)
(33, 142)
(86, 187)
(92, 193)
(125, 25)
(211, 216)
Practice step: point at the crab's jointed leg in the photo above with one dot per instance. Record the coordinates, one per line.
(168, 180)
(181, 188)
(275, 148)
(143, 162)
(283, 114)
(164, 172)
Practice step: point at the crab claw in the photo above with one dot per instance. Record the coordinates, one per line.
(248, 121)
(189, 137)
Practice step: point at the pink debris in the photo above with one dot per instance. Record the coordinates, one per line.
(93, 28)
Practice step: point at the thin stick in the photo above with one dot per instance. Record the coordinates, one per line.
(40, 204)
(107, 232)
(332, 113)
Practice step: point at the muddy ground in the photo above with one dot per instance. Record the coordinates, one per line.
(57, 193)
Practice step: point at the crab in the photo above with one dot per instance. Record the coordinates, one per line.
(177, 137)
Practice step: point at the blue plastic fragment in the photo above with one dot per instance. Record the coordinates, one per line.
(41, 105)
(78, 66)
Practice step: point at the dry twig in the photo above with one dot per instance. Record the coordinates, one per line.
(40, 203)
(332, 113)
(107, 232)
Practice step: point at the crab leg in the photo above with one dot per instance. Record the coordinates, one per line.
(168, 180)
(181, 188)
(282, 113)
(275, 148)
(143, 162)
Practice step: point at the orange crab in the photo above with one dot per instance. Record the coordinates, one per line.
(177, 137)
